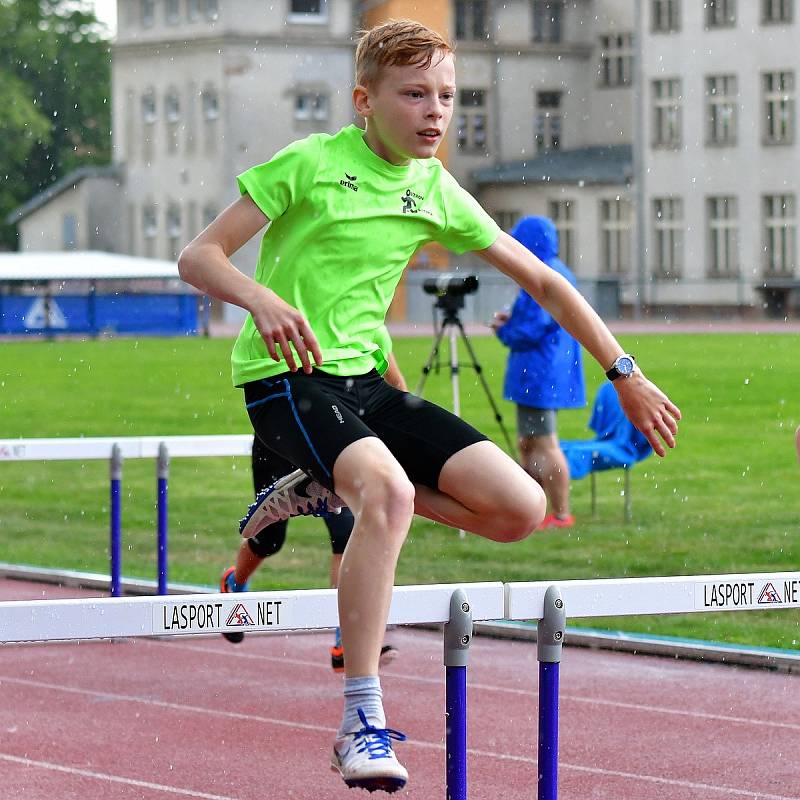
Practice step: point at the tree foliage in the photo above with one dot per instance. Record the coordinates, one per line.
(55, 89)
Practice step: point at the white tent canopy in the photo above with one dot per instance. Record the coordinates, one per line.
(84, 265)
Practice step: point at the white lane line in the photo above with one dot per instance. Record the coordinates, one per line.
(678, 712)
(104, 776)
(412, 743)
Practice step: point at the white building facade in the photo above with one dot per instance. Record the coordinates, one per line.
(545, 123)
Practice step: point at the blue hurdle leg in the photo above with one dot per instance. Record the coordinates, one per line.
(456, 735)
(162, 472)
(116, 520)
(549, 638)
(548, 730)
(457, 636)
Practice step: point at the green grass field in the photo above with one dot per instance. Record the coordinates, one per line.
(726, 500)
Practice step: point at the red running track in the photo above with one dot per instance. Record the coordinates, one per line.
(201, 718)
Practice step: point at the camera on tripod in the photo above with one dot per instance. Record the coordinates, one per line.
(450, 289)
(451, 283)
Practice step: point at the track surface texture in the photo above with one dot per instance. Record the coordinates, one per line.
(200, 717)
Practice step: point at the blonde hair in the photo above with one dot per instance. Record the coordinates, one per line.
(397, 42)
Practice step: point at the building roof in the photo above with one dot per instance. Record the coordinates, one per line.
(62, 185)
(82, 265)
(602, 164)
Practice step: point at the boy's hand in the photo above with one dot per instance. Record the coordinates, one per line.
(649, 409)
(499, 319)
(281, 325)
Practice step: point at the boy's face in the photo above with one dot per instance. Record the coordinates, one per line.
(409, 109)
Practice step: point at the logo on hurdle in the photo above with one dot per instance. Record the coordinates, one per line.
(769, 595)
(239, 617)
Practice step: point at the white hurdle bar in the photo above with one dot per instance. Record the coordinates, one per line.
(309, 609)
(618, 597)
(99, 447)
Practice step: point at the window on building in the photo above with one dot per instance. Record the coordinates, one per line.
(149, 229)
(149, 222)
(193, 10)
(69, 232)
(506, 220)
(773, 11)
(547, 16)
(667, 113)
(616, 60)
(172, 106)
(780, 234)
(723, 237)
(472, 19)
(147, 13)
(212, 10)
(174, 229)
(210, 104)
(562, 212)
(665, 16)
(721, 106)
(778, 88)
(720, 13)
(471, 120)
(311, 106)
(548, 121)
(668, 237)
(615, 236)
(172, 115)
(308, 10)
(172, 11)
(149, 112)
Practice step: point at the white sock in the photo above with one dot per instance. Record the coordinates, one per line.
(364, 693)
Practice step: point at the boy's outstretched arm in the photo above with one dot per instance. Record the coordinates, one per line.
(205, 263)
(645, 405)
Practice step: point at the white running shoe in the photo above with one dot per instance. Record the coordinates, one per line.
(293, 495)
(365, 759)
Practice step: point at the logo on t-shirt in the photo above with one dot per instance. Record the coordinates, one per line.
(349, 181)
(411, 203)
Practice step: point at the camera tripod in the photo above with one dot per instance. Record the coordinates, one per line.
(451, 324)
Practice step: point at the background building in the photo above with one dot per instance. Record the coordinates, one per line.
(549, 120)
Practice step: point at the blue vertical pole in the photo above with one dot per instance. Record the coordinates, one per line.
(548, 731)
(456, 734)
(549, 638)
(116, 519)
(162, 474)
(457, 637)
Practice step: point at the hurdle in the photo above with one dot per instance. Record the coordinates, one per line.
(180, 615)
(549, 603)
(116, 450)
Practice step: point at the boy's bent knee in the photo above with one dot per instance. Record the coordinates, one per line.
(515, 524)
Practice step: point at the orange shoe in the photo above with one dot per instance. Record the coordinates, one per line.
(552, 521)
(388, 654)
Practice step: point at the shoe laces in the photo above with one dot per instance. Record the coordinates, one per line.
(375, 741)
(316, 508)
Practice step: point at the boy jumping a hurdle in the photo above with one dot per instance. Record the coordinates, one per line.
(346, 212)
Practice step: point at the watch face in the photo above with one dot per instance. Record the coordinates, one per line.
(625, 365)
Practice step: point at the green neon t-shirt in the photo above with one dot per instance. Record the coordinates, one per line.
(344, 225)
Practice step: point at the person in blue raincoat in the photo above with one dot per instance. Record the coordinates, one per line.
(544, 374)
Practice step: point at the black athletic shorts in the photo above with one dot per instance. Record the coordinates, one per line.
(267, 468)
(310, 419)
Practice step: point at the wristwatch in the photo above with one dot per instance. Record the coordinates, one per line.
(622, 367)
